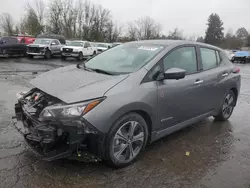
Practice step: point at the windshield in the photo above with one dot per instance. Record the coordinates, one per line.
(125, 58)
(102, 45)
(42, 41)
(74, 43)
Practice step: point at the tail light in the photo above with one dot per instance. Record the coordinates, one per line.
(236, 70)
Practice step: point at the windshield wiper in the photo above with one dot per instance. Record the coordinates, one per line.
(83, 66)
(103, 71)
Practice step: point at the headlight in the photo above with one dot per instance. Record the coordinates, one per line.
(69, 111)
(76, 50)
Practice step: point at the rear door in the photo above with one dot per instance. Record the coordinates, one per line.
(214, 73)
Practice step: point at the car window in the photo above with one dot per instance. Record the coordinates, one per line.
(218, 57)
(184, 58)
(56, 41)
(208, 58)
(85, 45)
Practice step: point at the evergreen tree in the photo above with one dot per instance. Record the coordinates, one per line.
(214, 32)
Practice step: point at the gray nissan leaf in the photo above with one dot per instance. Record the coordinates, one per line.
(117, 102)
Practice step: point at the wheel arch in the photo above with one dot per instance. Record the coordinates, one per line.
(144, 110)
(235, 91)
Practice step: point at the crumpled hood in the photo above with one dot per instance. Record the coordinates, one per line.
(38, 45)
(71, 84)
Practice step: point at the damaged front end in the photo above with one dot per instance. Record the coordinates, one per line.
(55, 129)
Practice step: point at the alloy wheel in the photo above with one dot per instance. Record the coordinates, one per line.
(128, 141)
(228, 105)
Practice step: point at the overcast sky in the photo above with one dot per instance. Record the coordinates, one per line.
(188, 15)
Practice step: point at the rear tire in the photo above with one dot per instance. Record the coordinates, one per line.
(94, 53)
(126, 140)
(227, 107)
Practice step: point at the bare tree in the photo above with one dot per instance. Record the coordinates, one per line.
(176, 34)
(132, 31)
(69, 18)
(147, 28)
(113, 31)
(144, 28)
(7, 23)
(55, 16)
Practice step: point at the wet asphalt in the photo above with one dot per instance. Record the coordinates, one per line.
(219, 152)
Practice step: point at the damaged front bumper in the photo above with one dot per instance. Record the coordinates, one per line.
(57, 139)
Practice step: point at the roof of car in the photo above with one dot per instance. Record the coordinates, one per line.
(171, 42)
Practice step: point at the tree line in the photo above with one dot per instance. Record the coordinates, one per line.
(78, 19)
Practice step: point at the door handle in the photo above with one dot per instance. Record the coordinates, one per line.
(197, 82)
(225, 74)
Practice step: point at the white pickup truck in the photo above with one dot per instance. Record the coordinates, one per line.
(78, 49)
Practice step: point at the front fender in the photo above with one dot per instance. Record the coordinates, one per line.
(133, 107)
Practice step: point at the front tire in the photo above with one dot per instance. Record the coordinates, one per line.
(80, 56)
(30, 56)
(227, 107)
(47, 54)
(125, 141)
(63, 57)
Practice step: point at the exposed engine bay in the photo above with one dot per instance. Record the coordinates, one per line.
(54, 138)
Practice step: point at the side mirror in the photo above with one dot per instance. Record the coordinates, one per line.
(172, 74)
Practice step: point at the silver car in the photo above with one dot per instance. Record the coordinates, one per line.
(44, 47)
(120, 100)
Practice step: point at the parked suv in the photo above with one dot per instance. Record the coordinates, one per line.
(128, 96)
(10, 46)
(78, 49)
(44, 47)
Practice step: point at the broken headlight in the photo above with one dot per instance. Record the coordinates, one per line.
(69, 111)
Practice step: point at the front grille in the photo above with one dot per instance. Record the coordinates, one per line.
(67, 50)
(99, 50)
(34, 49)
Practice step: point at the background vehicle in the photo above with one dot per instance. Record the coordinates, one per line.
(102, 47)
(120, 100)
(25, 39)
(116, 44)
(78, 49)
(94, 47)
(241, 56)
(10, 46)
(44, 47)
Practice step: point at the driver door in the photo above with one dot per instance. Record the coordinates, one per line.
(180, 100)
